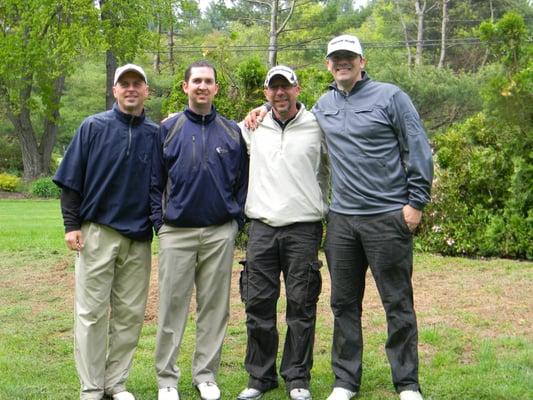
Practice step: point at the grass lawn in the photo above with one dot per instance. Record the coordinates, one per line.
(475, 322)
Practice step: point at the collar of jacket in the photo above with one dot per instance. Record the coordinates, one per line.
(128, 118)
(284, 124)
(201, 119)
(358, 85)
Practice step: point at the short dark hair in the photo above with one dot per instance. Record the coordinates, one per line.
(198, 64)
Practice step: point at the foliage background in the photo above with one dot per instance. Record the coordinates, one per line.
(477, 107)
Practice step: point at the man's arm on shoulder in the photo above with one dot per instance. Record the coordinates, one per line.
(254, 117)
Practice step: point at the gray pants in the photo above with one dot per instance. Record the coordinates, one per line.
(112, 278)
(201, 258)
(383, 242)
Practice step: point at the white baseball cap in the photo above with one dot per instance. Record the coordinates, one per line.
(284, 71)
(345, 42)
(129, 68)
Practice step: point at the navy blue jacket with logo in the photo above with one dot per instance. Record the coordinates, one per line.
(199, 175)
(108, 165)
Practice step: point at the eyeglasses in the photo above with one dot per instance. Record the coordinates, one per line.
(282, 86)
(343, 55)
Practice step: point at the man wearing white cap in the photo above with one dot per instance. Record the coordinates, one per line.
(287, 199)
(382, 171)
(105, 181)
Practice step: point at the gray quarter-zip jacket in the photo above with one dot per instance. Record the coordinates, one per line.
(379, 152)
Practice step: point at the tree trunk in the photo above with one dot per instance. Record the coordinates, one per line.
(157, 58)
(420, 11)
(110, 66)
(405, 36)
(443, 33)
(31, 159)
(51, 125)
(171, 47)
(273, 40)
(36, 157)
(110, 62)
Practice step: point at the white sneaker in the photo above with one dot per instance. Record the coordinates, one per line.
(123, 396)
(168, 393)
(410, 395)
(209, 391)
(250, 394)
(300, 394)
(339, 393)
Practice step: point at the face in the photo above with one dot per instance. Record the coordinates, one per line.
(201, 89)
(130, 92)
(282, 96)
(346, 68)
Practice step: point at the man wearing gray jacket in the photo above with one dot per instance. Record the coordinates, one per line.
(286, 202)
(382, 172)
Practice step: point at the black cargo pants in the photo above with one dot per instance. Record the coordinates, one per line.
(292, 251)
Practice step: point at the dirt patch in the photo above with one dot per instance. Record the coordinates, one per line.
(486, 301)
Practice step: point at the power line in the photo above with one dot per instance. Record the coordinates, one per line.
(428, 43)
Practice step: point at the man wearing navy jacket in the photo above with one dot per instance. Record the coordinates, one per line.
(105, 180)
(199, 184)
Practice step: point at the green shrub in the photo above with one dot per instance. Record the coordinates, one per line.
(9, 183)
(10, 156)
(482, 199)
(44, 187)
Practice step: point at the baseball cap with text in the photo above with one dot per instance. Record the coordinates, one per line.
(129, 68)
(346, 43)
(284, 71)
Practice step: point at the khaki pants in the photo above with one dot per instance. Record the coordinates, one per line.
(112, 278)
(188, 257)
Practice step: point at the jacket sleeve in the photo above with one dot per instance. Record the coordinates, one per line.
(158, 180)
(415, 151)
(70, 176)
(324, 170)
(241, 186)
(71, 171)
(70, 209)
(246, 136)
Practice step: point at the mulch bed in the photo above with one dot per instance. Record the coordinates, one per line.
(12, 195)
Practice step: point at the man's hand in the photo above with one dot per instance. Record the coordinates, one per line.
(412, 217)
(252, 119)
(74, 240)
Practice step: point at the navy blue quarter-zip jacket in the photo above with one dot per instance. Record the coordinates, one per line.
(108, 165)
(200, 175)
